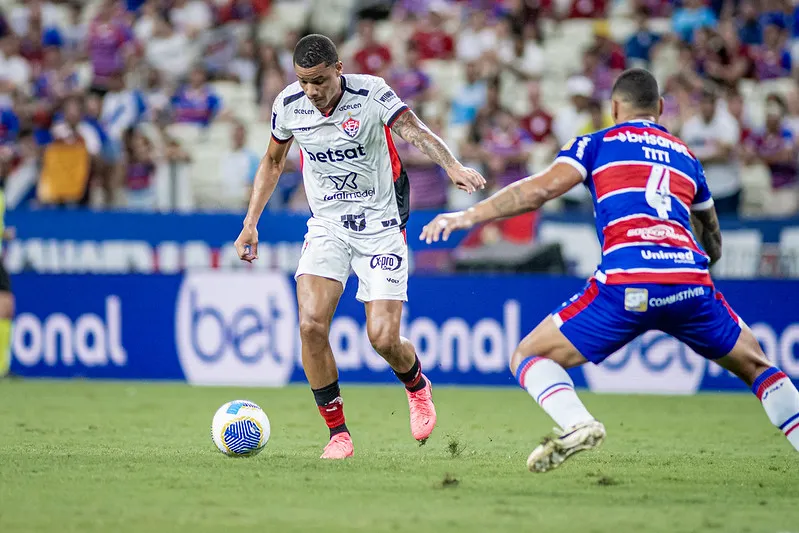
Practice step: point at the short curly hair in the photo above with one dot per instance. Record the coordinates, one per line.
(313, 50)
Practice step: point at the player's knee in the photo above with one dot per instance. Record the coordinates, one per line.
(313, 330)
(384, 339)
(385, 343)
(516, 358)
(563, 356)
(531, 346)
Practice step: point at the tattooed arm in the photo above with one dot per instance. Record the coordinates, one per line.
(706, 227)
(525, 195)
(409, 127)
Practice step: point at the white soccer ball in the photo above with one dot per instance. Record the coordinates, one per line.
(240, 429)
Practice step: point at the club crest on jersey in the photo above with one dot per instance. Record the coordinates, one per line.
(351, 126)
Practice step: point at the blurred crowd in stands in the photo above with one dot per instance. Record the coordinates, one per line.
(164, 104)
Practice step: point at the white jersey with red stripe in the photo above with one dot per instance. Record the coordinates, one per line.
(644, 183)
(352, 174)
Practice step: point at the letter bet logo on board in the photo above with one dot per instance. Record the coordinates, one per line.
(236, 328)
(653, 363)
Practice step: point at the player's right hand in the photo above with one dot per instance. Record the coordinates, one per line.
(443, 225)
(247, 244)
(466, 179)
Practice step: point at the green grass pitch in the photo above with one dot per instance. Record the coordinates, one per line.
(132, 457)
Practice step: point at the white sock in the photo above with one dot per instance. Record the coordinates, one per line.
(549, 385)
(780, 399)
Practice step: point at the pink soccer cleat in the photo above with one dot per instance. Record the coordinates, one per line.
(423, 412)
(339, 447)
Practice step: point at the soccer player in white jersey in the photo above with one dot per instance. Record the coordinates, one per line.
(359, 197)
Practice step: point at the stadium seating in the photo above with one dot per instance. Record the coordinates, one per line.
(564, 42)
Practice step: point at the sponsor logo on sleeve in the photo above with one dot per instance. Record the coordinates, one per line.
(387, 99)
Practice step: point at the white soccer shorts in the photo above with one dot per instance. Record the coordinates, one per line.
(379, 261)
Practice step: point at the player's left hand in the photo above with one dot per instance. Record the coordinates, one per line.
(443, 225)
(467, 179)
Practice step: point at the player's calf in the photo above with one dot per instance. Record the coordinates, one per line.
(382, 327)
(538, 364)
(317, 298)
(772, 387)
(390, 347)
(535, 363)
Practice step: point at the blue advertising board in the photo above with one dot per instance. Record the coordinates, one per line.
(60, 241)
(240, 328)
(63, 241)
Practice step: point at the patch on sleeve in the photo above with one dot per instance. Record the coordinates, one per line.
(387, 98)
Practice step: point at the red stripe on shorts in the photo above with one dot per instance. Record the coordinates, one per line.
(720, 297)
(580, 303)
